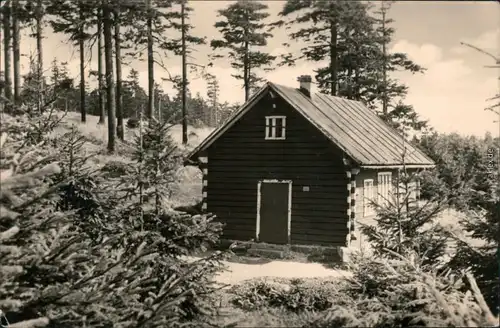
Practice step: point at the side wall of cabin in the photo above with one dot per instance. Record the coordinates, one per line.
(360, 196)
(242, 157)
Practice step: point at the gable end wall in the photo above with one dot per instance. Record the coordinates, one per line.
(241, 157)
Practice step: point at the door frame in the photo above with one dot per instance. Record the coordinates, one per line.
(259, 195)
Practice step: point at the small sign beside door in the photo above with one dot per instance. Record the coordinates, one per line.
(305, 188)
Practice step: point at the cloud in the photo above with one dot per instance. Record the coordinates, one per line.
(450, 94)
(425, 54)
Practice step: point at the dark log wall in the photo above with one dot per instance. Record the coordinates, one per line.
(242, 157)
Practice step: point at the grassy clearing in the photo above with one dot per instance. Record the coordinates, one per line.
(187, 191)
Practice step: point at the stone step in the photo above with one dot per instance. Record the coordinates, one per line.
(268, 253)
(270, 246)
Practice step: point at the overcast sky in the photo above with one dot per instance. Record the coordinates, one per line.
(452, 93)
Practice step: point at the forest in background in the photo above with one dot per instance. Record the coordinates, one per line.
(351, 39)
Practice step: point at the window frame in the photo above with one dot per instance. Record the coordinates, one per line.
(368, 210)
(384, 187)
(271, 127)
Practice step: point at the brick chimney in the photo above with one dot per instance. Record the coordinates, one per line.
(305, 84)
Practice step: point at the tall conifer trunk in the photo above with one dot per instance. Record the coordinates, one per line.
(100, 69)
(7, 54)
(16, 50)
(110, 85)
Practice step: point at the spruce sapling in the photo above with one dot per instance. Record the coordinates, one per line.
(404, 224)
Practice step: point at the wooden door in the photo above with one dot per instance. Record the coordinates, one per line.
(274, 212)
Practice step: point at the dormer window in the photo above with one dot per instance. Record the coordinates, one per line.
(275, 127)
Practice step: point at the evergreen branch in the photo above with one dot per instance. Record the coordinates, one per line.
(8, 234)
(492, 320)
(28, 179)
(33, 323)
(43, 195)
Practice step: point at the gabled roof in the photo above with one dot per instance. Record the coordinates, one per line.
(350, 125)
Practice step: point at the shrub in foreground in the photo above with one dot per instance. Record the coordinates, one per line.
(296, 295)
(482, 260)
(402, 292)
(405, 225)
(397, 292)
(62, 265)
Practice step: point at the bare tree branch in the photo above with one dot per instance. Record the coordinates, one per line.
(497, 60)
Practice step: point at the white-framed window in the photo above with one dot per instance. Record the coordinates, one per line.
(384, 187)
(275, 127)
(368, 197)
(414, 190)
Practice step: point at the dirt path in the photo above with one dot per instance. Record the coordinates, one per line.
(238, 272)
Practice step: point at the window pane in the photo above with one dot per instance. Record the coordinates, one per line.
(269, 127)
(278, 128)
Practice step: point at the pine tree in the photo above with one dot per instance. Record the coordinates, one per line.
(150, 47)
(383, 92)
(56, 73)
(30, 14)
(16, 51)
(242, 31)
(39, 15)
(150, 19)
(119, 108)
(100, 70)
(459, 163)
(134, 96)
(29, 90)
(2, 80)
(184, 72)
(110, 85)
(11, 229)
(213, 94)
(482, 224)
(62, 85)
(7, 41)
(74, 18)
(198, 107)
(82, 251)
(166, 235)
(405, 226)
(82, 37)
(45, 251)
(227, 110)
(186, 41)
(354, 44)
(331, 31)
(465, 167)
(159, 102)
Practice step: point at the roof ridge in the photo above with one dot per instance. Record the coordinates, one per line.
(365, 138)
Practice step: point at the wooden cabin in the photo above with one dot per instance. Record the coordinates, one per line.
(294, 168)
